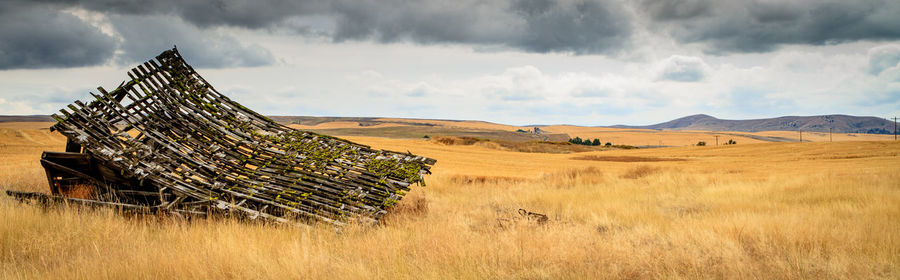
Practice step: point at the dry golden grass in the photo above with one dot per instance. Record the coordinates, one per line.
(748, 211)
(825, 137)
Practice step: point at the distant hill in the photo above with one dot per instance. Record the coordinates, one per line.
(300, 120)
(363, 121)
(32, 118)
(840, 123)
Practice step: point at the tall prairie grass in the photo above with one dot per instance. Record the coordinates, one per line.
(775, 211)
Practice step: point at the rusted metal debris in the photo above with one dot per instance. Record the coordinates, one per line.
(167, 141)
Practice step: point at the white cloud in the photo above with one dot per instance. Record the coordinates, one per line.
(683, 69)
(96, 19)
(882, 58)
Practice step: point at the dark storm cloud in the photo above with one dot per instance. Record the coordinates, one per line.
(675, 9)
(422, 22)
(572, 26)
(206, 13)
(145, 37)
(39, 36)
(760, 26)
(580, 27)
(42, 35)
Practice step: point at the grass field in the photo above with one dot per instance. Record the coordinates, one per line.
(412, 129)
(749, 211)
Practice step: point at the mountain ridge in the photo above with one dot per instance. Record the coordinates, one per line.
(820, 123)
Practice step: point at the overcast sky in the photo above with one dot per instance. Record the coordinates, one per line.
(517, 62)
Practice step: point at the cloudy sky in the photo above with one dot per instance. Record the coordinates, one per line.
(520, 62)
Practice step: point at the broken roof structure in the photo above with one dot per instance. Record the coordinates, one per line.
(166, 140)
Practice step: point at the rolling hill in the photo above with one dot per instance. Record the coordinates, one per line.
(679, 132)
(840, 123)
(26, 118)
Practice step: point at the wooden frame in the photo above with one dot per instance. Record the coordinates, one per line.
(167, 139)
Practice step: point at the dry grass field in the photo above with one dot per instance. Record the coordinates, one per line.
(403, 128)
(748, 211)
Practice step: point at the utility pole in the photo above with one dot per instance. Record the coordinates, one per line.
(895, 128)
(830, 137)
(801, 135)
(717, 140)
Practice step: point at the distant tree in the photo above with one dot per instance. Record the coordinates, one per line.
(701, 143)
(608, 144)
(426, 137)
(879, 131)
(730, 142)
(576, 140)
(586, 142)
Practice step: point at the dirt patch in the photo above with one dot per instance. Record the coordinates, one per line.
(626, 158)
(449, 140)
(546, 147)
(849, 157)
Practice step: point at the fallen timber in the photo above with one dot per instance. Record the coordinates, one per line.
(167, 141)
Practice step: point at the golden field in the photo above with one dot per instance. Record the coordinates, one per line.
(617, 136)
(747, 211)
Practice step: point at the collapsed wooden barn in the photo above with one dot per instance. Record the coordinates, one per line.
(167, 141)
